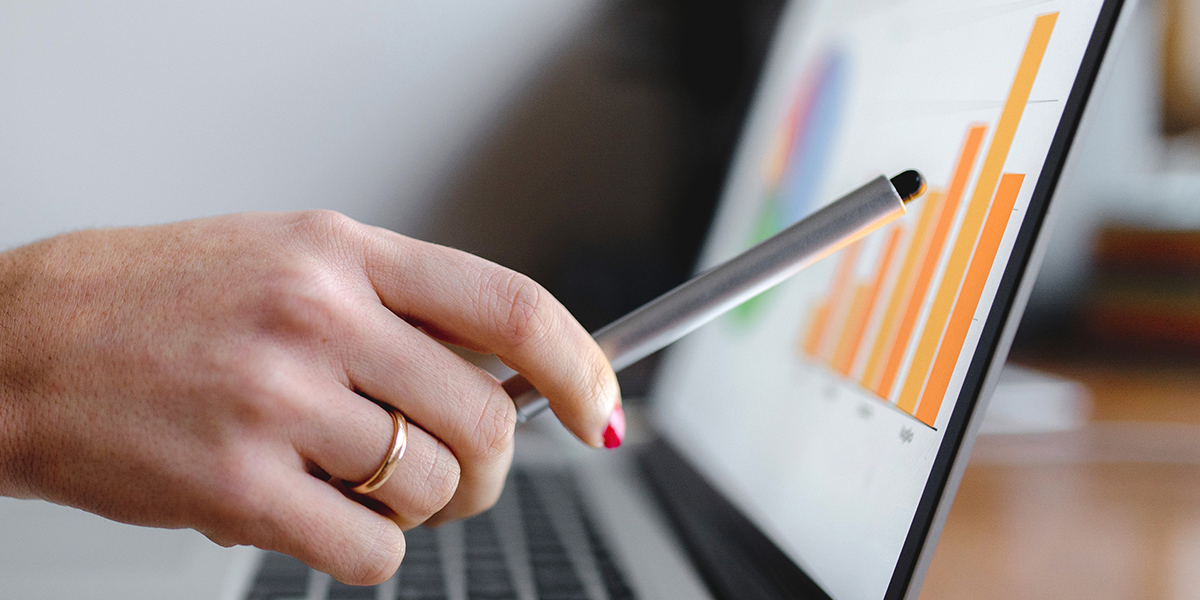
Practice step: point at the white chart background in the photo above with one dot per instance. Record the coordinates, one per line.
(819, 463)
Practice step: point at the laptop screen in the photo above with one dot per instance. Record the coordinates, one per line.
(819, 408)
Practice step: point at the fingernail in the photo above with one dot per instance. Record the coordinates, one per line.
(614, 434)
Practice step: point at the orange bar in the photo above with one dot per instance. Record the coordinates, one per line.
(840, 298)
(901, 288)
(819, 320)
(864, 300)
(929, 261)
(855, 314)
(968, 298)
(824, 312)
(985, 188)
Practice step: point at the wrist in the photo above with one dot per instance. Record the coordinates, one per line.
(12, 427)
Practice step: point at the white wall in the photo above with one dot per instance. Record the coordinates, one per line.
(138, 111)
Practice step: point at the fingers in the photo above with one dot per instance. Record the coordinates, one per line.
(445, 395)
(309, 519)
(349, 437)
(476, 304)
(468, 417)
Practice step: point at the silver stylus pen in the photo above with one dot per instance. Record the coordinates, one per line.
(658, 323)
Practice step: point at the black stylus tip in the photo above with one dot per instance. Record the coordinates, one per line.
(909, 185)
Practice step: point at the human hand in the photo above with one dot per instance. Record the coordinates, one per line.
(212, 373)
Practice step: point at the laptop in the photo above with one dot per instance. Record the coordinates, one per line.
(809, 443)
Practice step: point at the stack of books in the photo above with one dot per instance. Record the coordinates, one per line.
(1146, 293)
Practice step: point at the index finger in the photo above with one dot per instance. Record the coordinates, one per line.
(481, 306)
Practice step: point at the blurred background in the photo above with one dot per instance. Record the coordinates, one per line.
(585, 142)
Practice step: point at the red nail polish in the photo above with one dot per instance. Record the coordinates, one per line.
(614, 434)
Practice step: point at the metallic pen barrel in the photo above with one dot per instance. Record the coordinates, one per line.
(703, 298)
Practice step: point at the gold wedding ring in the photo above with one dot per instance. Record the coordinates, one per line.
(388, 466)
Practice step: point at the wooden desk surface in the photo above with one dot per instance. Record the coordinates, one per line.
(1061, 527)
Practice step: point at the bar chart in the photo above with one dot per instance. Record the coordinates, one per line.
(895, 332)
(822, 410)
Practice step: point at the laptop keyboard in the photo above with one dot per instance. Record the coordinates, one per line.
(537, 543)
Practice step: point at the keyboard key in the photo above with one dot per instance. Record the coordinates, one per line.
(552, 570)
(421, 571)
(614, 581)
(341, 591)
(279, 576)
(487, 573)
